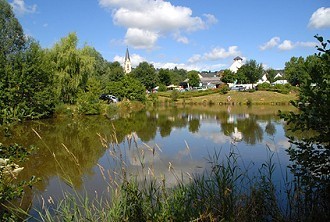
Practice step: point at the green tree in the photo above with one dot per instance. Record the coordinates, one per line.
(295, 71)
(310, 154)
(193, 78)
(129, 88)
(146, 74)
(164, 77)
(11, 32)
(178, 75)
(72, 67)
(251, 70)
(228, 76)
(271, 73)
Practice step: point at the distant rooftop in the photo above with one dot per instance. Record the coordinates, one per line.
(238, 58)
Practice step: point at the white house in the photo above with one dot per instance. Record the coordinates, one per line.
(238, 62)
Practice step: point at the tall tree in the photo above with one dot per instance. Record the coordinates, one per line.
(311, 155)
(71, 67)
(228, 76)
(164, 77)
(295, 71)
(193, 78)
(251, 70)
(146, 74)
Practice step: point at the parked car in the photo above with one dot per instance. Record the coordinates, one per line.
(238, 88)
(109, 98)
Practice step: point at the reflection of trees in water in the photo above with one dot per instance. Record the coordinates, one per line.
(270, 128)
(77, 147)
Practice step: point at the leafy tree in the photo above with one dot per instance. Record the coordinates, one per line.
(251, 70)
(11, 32)
(129, 88)
(295, 71)
(193, 78)
(228, 76)
(146, 74)
(178, 75)
(116, 71)
(311, 154)
(271, 73)
(164, 77)
(72, 67)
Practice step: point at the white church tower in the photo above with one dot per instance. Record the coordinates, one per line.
(238, 62)
(127, 63)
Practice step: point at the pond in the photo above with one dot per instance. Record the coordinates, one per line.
(79, 154)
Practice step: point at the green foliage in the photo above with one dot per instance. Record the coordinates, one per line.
(174, 95)
(88, 102)
(228, 76)
(250, 72)
(223, 89)
(146, 74)
(311, 154)
(72, 67)
(297, 71)
(10, 188)
(164, 77)
(271, 73)
(280, 88)
(129, 88)
(27, 86)
(193, 78)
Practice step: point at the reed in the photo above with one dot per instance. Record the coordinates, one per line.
(226, 191)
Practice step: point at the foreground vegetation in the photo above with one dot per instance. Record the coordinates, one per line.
(226, 190)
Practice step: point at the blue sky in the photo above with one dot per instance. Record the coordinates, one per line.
(190, 34)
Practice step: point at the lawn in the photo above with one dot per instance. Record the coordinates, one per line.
(255, 98)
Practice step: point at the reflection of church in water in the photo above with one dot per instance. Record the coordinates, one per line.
(237, 135)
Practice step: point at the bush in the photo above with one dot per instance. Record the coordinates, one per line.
(223, 89)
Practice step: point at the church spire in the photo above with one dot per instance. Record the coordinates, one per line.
(127, 63)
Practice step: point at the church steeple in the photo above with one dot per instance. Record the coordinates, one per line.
(127, 63)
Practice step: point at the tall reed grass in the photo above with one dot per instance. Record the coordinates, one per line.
(225, 191)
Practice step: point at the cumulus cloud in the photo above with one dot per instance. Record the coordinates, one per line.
(141, 39)
(289, 45)
(221, 53)
(155, 17)
(320, 18)
(21, 8)
(270, 44)
(286, 45)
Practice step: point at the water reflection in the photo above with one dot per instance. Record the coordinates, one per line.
(78, 152)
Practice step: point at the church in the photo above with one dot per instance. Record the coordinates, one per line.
(127, 63)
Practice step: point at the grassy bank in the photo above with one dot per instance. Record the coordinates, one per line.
(232, 97)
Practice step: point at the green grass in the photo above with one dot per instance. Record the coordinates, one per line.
(214, 97)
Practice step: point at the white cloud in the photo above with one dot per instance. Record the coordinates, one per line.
(286, 45)
(289, 45)
(195, 58)
(155, 16)
(20, 8)
(141, 39)
(320, 18)
(221, 53)
(270, 44)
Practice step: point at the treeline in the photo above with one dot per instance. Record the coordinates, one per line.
(34, 80)
(296, 72)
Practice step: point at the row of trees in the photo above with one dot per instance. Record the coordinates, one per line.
(297, 71)
(34, 80)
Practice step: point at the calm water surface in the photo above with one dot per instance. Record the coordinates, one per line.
(84, 154)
